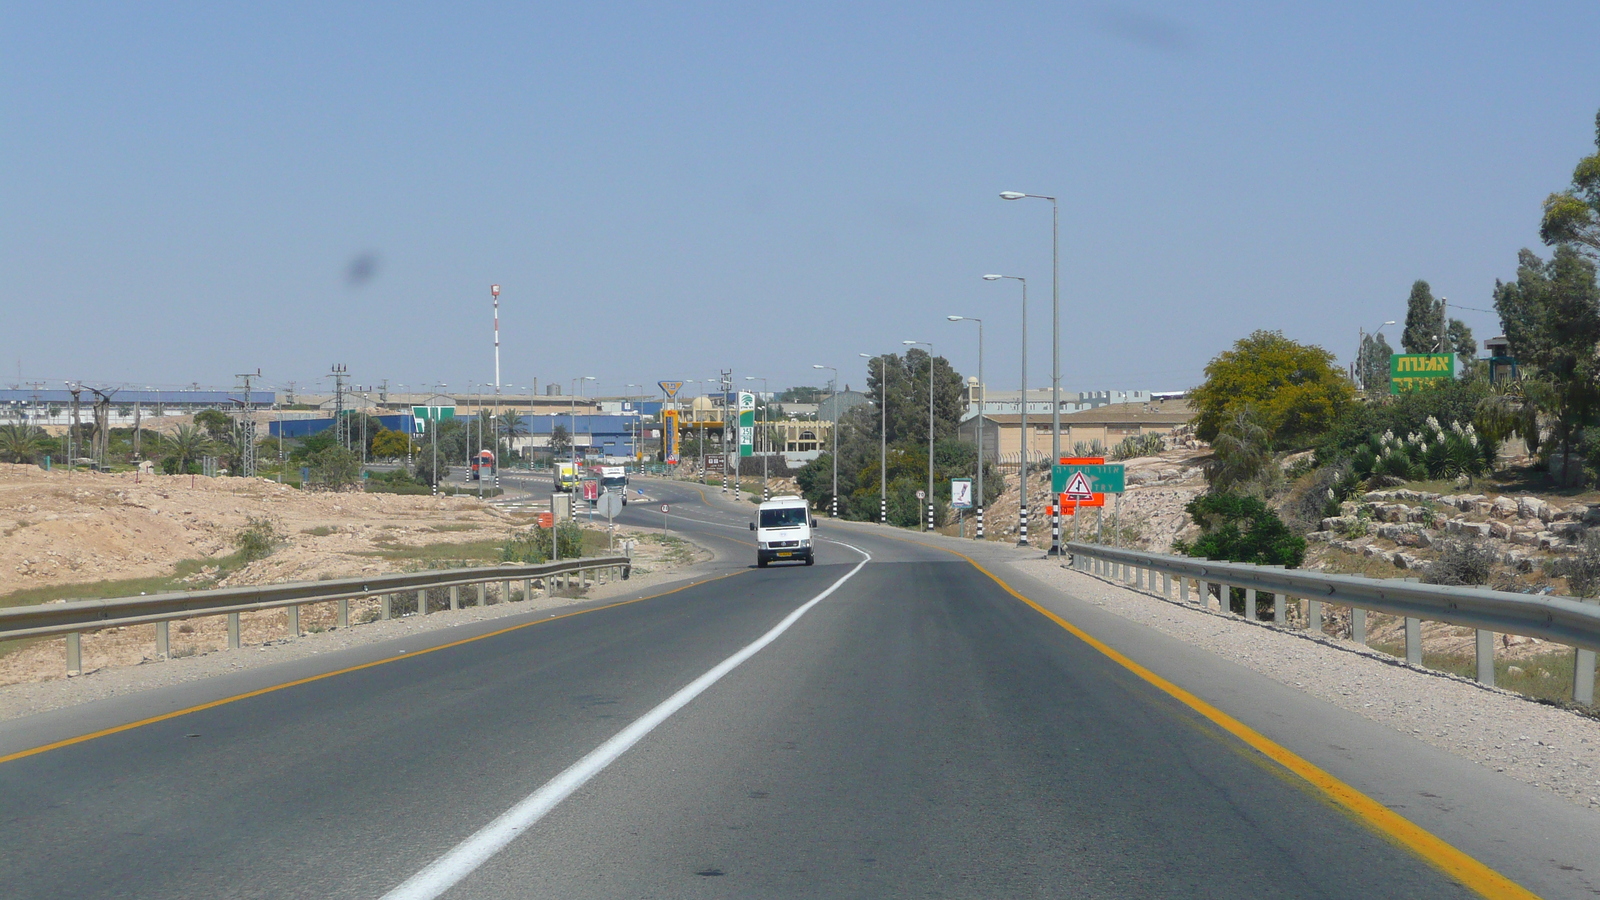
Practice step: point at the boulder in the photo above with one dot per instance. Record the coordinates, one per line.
(1525, 538)
(1407, 561)
(1518, 561)
(1500, 530)
(1571, 531)
(1503, 508)
(1531, 508)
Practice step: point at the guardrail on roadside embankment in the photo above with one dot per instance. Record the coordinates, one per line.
(76, 617)
(1559, 619)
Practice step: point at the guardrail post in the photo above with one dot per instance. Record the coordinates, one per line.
(74, 653)
(386, 606)
(294, 620)
(1583, 674)
(1314, 615)
(344, 612)
(1205, 593)
(233, 631)
(527, 588)
(1486, 658)
(163, 640)
(1183, 589)
(1166, 585)
(1413, 641)
(455, 596)
(505, 592)
(1280, 610)
(483, 594)
(1358, 625)
(422, 602)
(1250, 604)
(1583, 678)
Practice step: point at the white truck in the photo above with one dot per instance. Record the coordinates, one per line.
(783, 531)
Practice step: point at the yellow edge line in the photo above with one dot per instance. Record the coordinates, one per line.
(105, 732)
(1476, 876)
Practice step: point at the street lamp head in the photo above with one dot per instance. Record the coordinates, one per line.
(1012, 195)
(1390, 322)
(956, 318)
(819, 367)
(993, 277)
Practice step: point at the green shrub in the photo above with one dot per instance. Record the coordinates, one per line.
(257, 540)
(1464, 562)
(1241, 528)
(1139, 445)
(534, 545)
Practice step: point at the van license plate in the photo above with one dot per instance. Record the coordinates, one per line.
(784, 553)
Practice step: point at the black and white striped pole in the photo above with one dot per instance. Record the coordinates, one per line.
(1022, 537)
(883, 510)
(930, 513)
(980, 523)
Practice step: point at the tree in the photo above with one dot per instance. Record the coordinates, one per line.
(1462, 343)
(335, 468)
(1423, 315)
(217, 424)
(388, 444)
(1295, 389)
(1242, 461)
(560, 440)
(186, 445)
(908, 397)
(21, 443)
(1372, 363)
(424, 471)
(1572, 217)
(1551, 317)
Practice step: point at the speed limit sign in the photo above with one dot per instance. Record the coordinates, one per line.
(663, 507)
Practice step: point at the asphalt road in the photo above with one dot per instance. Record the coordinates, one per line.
(919, 731)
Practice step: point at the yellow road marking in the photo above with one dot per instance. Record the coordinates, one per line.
(105, 732)
(1476, 876)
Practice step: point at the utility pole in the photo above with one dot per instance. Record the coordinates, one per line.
(247, 428)
(74, 431)
(341, 426)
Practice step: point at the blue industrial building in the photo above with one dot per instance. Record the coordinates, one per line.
(592, 435)
(299, 428)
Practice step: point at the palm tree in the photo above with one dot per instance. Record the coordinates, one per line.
(21, 443)
(186, 444)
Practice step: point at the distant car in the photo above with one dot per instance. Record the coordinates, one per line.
(783, 531)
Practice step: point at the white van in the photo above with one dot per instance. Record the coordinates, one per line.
(783, 531)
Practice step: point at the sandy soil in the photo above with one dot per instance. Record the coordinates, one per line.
(60, 529)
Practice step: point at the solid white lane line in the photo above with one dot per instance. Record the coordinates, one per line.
(444, 872)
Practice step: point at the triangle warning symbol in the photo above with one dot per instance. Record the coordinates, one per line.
(1078, 487)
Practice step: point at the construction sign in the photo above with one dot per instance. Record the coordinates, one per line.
(1084, 481)
(670, 388)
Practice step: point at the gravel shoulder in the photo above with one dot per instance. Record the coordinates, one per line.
(1544, 746)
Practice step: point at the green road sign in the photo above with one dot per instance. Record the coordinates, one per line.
(1410, 371)
(1105, 478)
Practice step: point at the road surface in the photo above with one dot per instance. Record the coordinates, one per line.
(891, 722)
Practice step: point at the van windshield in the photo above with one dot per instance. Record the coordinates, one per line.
(785, 517)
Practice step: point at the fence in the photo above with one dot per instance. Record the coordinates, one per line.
(76, 617)
(1559, 619)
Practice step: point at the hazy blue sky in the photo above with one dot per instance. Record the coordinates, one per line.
(663, 190)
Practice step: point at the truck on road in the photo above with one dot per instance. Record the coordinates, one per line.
(613, 480)
(566, 476)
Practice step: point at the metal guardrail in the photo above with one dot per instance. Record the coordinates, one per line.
(1562, 620)
(76, 617)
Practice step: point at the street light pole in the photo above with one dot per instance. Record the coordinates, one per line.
(981, 391)
(1055, 347)
(433, 431)
(883, 437)
(572, 419)
(1022, 510)
(930, 426)
(766, 439)
(834, 513)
